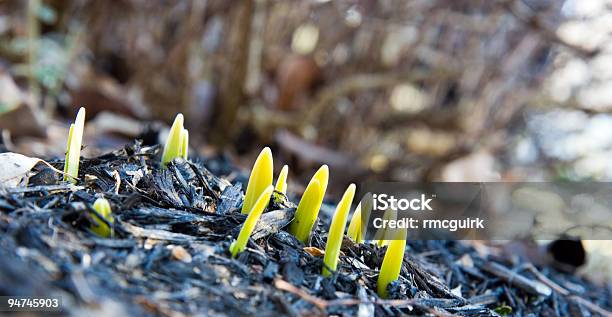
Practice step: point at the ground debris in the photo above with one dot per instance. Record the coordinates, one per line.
(169, 256)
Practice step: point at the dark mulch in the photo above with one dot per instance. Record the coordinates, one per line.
(169, 255)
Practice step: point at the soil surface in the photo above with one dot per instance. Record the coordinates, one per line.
(169, 254)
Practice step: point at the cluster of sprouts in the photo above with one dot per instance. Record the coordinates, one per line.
(257, 197)
(101, 217)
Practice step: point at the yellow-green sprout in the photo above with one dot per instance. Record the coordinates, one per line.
(260, 179)
(392, 263)
(310, 204)
(310, 201)
(249, 224)
(281, 182)
(99, 227)
(322, 175)
(355, 229)
(177, 142)
(73, 148)
(185, 144)
(336, 231)
(382, 235)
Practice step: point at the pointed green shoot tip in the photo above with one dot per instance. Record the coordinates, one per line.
(249, 224)
(322, 175)
(185, 144)
(307, 211)
(260, 179)
(305, 217)
(174, 141)
(336, 231)
(281, 182)
(73, 147)
(392, 263)
(103, 208)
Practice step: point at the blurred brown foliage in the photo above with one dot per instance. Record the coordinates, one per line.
(397, 89)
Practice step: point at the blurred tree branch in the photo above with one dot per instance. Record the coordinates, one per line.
(266, 118)
(233, 72)
(363, 82)
(536, 23)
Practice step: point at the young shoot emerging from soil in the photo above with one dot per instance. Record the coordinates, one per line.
(177, 142)
(99, 227)
(73, 148)
(249, 224)
(310, 203)
(336, 231)
(381, 236)
(281, 182)
(392, 263)
(355, 230)
(260, 179)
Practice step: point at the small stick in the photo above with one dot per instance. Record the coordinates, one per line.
(117, 181)
(546, 280)
(590, 305)
(530, 286)
(322, 304)
(41, 188)
(319, 303)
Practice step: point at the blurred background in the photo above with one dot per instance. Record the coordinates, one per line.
(397, 90)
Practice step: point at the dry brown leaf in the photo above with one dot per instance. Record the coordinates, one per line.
(15, 166)
(179, 253)
(314, 251)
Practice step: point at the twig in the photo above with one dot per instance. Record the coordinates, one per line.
(546, 280)
(530, 286)
(319, 303)
(590, 306)
(322, 304)
(47, 188)
(117, 181)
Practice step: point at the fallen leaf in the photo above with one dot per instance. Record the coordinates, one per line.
(314, 251)
(179, 253)
(14, 167)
